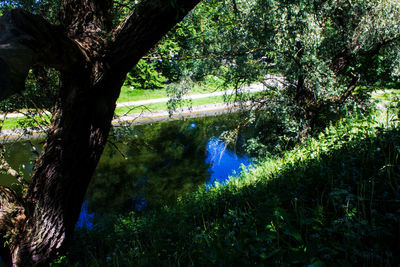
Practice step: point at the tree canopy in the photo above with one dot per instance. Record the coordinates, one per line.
(328, 53)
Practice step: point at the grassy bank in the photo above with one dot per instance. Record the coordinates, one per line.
(26, 122)
(332, 201)
(21, 122)
(129, 94)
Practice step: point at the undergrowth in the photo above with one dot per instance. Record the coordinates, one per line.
(333, 201)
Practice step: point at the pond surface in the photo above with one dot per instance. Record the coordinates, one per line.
(150, 165)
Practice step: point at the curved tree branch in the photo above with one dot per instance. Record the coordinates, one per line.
(147, 23)
(27, 40)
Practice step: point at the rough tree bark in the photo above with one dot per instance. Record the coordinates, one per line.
(93, 60)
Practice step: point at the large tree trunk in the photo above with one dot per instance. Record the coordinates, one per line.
(73, 147)
(91, 79)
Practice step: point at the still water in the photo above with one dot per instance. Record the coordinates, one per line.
(150, 165)
(223, 162)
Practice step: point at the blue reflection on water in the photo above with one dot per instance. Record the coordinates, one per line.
(85, 218)
(223, 163)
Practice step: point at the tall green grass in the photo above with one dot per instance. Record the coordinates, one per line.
(332, 201)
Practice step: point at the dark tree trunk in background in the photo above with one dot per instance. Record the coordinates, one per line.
(93, 60)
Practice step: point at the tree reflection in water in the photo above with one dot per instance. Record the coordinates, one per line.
(152, 165)
(223, 162)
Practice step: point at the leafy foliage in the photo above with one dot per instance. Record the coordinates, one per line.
(144, 76)
(48, 9)
(322, 50)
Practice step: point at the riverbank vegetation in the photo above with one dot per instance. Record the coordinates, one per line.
(332, 200)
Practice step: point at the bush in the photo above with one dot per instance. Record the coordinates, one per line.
(145, 76)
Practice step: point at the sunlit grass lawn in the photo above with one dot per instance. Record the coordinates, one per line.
(12, 123)
(129, 94)
(163, 106)
(23, 122)
(185, 103)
